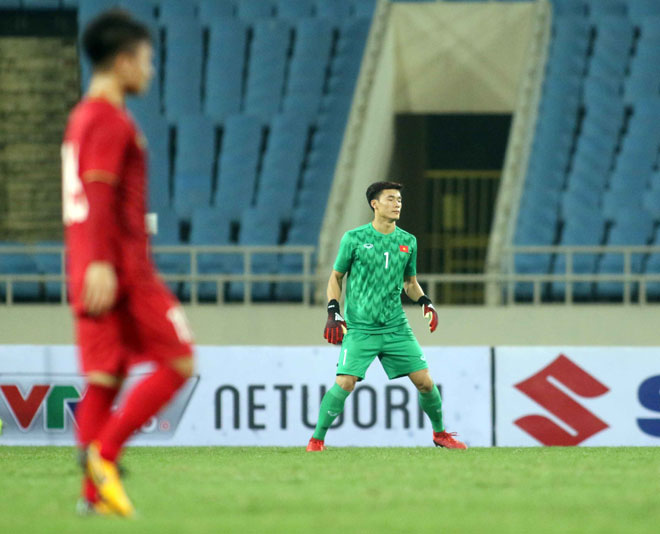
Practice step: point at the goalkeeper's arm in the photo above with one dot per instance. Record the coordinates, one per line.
(416, 293)
(335, 326)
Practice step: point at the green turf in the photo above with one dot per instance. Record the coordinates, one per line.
(345, 490)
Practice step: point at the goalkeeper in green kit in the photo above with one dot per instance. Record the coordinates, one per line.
(380, 260)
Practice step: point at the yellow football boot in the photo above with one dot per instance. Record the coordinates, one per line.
(105, 476)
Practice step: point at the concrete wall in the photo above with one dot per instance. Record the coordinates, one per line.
(298, 325)
(460, 57)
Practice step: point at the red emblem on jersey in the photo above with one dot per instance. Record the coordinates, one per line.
(404, 248)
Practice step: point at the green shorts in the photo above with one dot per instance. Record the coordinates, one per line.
(399, 353)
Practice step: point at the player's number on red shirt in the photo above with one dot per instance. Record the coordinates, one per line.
(180, 322)
(74, 201)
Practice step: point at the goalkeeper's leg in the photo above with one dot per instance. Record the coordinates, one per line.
(332, 406)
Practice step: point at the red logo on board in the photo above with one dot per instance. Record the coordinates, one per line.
(404, 248)
(540, 388)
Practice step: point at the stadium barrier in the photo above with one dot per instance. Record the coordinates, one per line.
(634, 284)
(269, 396)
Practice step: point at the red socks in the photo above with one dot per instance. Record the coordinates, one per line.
(145, 400)
(92, 413)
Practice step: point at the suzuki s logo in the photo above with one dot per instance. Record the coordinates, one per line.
(544, 388)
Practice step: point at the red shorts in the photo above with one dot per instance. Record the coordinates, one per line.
(146, 324)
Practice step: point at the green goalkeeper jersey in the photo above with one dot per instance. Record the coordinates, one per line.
(376, 265)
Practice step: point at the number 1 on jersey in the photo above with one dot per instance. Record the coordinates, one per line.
(387, 259)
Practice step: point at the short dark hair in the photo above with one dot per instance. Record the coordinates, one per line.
(373, 191)
(110, 33)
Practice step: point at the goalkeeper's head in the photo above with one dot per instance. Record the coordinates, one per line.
(384, 199)
(120, 46)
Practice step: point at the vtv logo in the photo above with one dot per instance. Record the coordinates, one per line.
(24, 406)
(542, 389)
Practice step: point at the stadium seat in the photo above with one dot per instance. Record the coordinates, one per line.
(333, 9)
(50, 263)
(257, 228)
(212, 10)
(239, 159)
(364, 8)
(294, 9)
(282, 165)
(267, 67)
(16, 263)
(583, 228)
(599, 8)
(193, 167)
(169, 262)
(569, 7)
(631, 227)
(225, 66)
(308, 67)
(255, 9)
(156, 132)
(211, 226)
(304, 230)
(639, 9)
(183, 68)
(174, 11)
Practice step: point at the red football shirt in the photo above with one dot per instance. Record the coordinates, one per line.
(103, 144)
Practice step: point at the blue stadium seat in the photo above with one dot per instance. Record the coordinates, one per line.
(211, 226)
(212, 10)
(237, 169)
(644, 78)
(224, 70)
(175, 11)
(294, 9)
(569, 7)
(333, 9)
(50, 263)
(18, 264)
(282, 166)
(639, 9)
(364, 8)
(183, 68)
(193, 167)
(168, 235)
(305, 230)
(157, 134)
(617, 201)
(650, 28)
(308, 66)
(257, 228)
(599, 8)
(632, 226)
(267, 67)
(255, 9)
(585, 227)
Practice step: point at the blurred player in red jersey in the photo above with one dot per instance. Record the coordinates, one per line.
(123, 312)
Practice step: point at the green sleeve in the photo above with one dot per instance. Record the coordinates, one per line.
(345, 255)
(411, 266)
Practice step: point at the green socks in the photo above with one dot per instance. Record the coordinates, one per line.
(431, 403)
(331, 406)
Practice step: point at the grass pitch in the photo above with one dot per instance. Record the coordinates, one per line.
(350, 490)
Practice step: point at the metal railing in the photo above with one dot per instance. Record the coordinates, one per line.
(193, 276)
(634, 284)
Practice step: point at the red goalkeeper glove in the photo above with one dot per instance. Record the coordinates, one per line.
(429, 312)
(335, 327)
